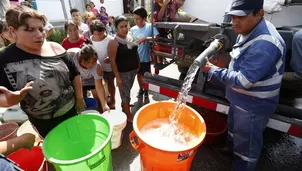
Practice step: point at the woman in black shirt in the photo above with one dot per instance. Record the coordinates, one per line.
(56, 93)
(125, 62)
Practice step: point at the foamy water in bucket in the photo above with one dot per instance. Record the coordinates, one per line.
(161, 134)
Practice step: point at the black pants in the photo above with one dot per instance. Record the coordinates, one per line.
(44, 126)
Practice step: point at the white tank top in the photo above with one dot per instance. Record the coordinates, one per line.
(101, 49)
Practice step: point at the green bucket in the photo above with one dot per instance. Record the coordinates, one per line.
(80, 143)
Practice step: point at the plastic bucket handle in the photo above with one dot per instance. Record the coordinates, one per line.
(135, 142)
(96, 160)
(43, 165)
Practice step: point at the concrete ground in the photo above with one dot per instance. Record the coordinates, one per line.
(281, 152)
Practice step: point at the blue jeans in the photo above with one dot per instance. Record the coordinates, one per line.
(245, 137)
(296, 60)
(5, 165)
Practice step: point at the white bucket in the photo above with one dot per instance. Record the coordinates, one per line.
(14, 114)
(118, 119)
(26, 127)
(90, 112)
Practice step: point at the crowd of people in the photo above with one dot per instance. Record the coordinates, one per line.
(50, 80)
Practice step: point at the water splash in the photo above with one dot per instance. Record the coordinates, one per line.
(158, 134)
(182, 96)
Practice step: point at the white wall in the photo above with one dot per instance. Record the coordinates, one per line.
(52, 9)
(213, 11)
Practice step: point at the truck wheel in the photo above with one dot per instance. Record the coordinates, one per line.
(183, 70)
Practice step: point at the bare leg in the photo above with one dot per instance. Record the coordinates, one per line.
(111, 89)
(96, 97)
(126, 109)
(140, 80)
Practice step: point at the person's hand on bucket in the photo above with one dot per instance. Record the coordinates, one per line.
(80, 105)
(106, 108)
(10, 98)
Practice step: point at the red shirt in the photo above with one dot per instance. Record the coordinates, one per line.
(68, 45)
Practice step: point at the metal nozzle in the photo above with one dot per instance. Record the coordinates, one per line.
(215, 46)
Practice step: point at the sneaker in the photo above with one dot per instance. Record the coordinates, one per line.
(146, 93)
(140, 93)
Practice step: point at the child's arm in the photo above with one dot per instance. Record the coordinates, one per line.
(162, 10)
(24, 141)
(149, 39)
(78, 89)
(100, 89)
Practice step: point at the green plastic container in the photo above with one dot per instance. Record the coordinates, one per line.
(81, 143)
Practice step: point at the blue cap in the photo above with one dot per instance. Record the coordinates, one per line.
(244, 7)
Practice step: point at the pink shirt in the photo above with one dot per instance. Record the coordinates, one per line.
(14, 3)
(95, 11)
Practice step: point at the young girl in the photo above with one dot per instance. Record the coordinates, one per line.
(74, 39)
(91, 73)
(110, 26)
(100, 41)
(94, 9)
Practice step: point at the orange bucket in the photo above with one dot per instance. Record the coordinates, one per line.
(154, 159)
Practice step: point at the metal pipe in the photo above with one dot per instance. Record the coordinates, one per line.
(175, 31)
(211, 50)
(293, 2)
(152, 25)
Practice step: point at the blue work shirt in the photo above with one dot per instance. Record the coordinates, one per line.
(253, 79)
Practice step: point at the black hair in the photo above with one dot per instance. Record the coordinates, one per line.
(69, 23)
(87, 52)
(256, 11)
(92, 3)
(97, 25)
(74, 10)
(88, 5)
(102, 7)
(140, 11)
(119, 19)
(110, 24)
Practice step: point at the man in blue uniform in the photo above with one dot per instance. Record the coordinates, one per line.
(253, 80)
